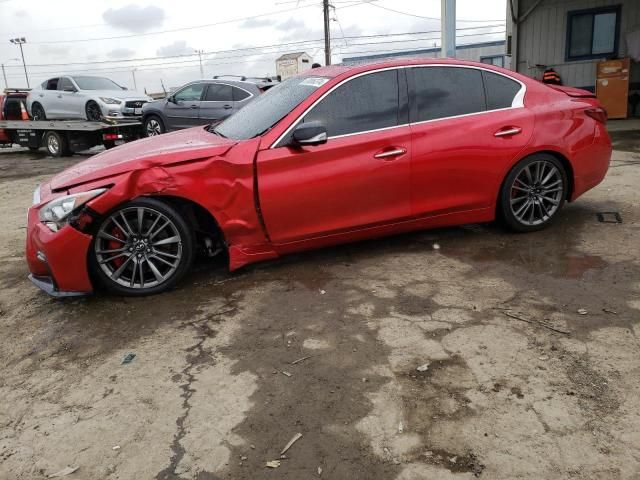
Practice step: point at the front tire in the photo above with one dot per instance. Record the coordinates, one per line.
(153, 125)
(93, 112)
(533, 193)
(143, 247)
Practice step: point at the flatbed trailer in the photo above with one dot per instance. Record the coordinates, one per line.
(65, 137)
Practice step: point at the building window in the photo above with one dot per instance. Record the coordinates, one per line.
(593, 33)
(497, 60)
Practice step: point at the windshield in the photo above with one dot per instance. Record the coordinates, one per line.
(96, 83)
(269, 108)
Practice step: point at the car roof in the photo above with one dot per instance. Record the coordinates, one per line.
(332, 71)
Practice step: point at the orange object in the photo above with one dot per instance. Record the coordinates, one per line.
(23, 112)
(612, 86)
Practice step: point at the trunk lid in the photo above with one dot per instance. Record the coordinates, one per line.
(573, 92)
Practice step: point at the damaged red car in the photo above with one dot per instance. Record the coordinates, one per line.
(335, 155)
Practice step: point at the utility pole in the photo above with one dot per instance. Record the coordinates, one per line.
(200, 52)
(6, 85)
(448, 28)
(327, 33)
(133, 74)
(19, 41)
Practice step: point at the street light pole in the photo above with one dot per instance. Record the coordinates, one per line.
(20, 41)
(135, 85)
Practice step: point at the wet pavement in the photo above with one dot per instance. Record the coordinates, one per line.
(215, 392)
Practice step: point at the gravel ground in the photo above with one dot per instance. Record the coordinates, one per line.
(514, 383)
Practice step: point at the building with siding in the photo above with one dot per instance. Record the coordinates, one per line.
(487, 52)
(292, 64)
(572, 36)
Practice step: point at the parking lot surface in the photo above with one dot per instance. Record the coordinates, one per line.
(496, 355)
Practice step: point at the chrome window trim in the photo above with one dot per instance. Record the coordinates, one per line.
(518, 101)
(227, 101)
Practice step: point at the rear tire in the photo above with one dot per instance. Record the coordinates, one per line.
(153, 126)
(533, 193)
(143, 247)
(37, 112)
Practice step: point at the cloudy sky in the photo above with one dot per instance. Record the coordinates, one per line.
(159, 38)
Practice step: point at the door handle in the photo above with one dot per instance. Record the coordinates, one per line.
(395, 152)
(59, 96)
(507, 131)
(227, 107)
(193, 106)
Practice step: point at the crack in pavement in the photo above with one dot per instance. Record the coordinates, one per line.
(197, 355)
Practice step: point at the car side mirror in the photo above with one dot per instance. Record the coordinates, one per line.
(310, 133)
(171, 99)
(70, 89)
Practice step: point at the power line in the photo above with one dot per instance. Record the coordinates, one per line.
(195, 27)
(237, 59)
(422, 16)
(258, 47)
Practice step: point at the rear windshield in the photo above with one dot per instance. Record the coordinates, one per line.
(96, 83)
(262, 114)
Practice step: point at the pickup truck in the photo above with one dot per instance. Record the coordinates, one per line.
(337, 154)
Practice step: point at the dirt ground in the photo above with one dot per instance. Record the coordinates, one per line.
(214, 391)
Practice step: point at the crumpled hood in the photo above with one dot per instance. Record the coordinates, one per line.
(185, 145)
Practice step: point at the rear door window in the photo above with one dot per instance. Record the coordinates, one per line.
(65, 83)
(499, 89)
(240, 94)
(441, 92)
(52, 84)
(219, 92)
(369, 102)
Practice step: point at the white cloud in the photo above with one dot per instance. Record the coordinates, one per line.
(179, 47)
(120, 53)
(134, 18)
(258, 23)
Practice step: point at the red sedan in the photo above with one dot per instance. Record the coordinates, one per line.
(338, 154)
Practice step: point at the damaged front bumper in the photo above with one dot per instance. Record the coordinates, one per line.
(57, 260)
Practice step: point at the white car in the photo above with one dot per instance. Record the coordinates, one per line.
(84, 97)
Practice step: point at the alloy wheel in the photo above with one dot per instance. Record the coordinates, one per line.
(138, 247)
(536, 193)
(94, 113)
(153, 128)
(53, 145)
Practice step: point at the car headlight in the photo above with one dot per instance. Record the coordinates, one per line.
(111, 101)
(54, 214)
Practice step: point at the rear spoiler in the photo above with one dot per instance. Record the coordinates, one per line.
(572, 92)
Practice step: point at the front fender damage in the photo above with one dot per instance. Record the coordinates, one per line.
(223, 186)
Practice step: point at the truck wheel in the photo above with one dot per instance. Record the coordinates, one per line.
(37, 112)
(56, 144)
(92, 109)
(153, 126)
(142, 247)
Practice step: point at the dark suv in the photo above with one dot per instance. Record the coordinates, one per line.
(200, 103)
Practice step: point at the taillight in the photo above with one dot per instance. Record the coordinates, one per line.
(598, 114)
